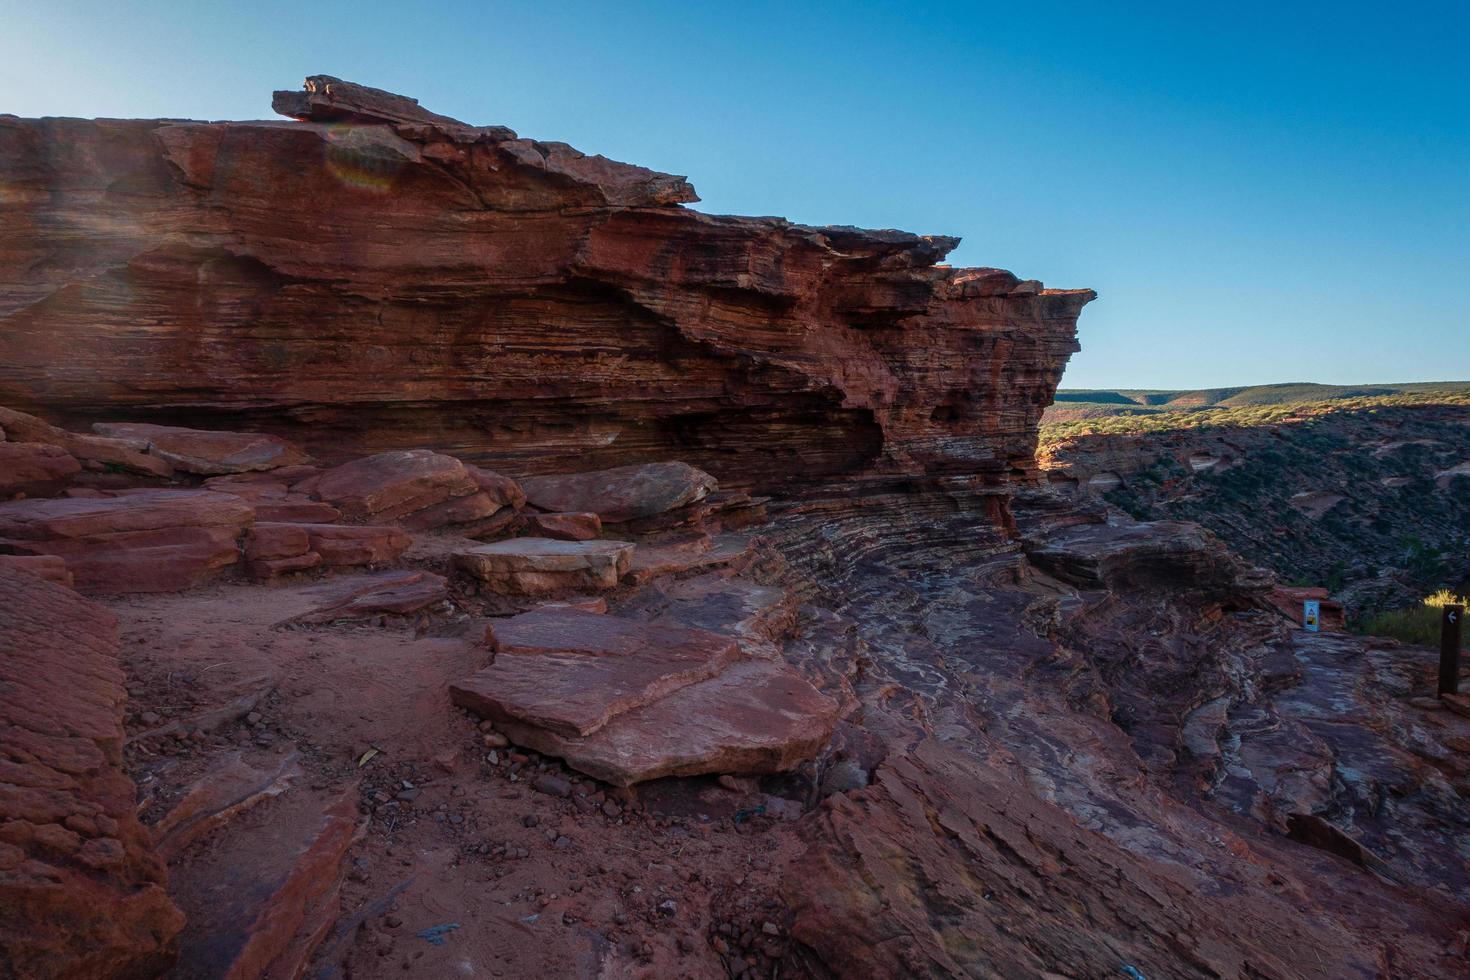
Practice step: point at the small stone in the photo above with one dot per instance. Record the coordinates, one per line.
(561, 843)
(254, 718)
(150, 718)
(530, 820)
(392, 921)
(611, 810)
(770, 929)
(668, 907)
(552, 785)
(494, 740)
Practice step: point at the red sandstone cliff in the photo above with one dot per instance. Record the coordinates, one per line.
(377, 276)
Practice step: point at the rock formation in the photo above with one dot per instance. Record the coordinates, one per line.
(1366, 502)
(374, 276)
(762, 650)
(81, 892)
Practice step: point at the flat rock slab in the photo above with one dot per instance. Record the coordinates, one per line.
(757, 615)
(99, 451)
(625, 493)
(397, 593)
(756, 718)
(143, 541)
(565, 527)
(206, 452)
(49, 567)
(656, 561)
(571, 671)
(536, 566)
(266, 891)
(357, 544)
(35, 469)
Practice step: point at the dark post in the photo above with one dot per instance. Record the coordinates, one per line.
(1449, 649)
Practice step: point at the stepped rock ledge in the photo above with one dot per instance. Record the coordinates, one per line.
(373, 276)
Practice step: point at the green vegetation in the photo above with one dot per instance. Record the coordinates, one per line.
(1241, 397)
(1417, 624)
(1248, 414)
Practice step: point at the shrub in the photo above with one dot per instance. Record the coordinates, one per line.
(1416, 624)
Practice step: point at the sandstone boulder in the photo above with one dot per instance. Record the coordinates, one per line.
(49, 567)
(392, 593)
(417, 488)
(360, 544)
(388, 486)
(625, 493)
(537, 566)
(756, 718)
(207, 452)
(275, 502)
(99, 451)
(501, 489)
(34, 469)
(565, 527)
(276, 548)
(81, 892)
(570, 672)
(145, 541)
(700, 553)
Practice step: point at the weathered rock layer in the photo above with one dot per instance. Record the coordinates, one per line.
(375, 276)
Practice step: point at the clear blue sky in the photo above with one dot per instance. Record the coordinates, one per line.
(1258, 191)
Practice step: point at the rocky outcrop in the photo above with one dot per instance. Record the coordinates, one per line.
(144, 541)
(81, 892)
(34, 469)
(1351, 499)
(374, 276)
(540, 566)
(93, 451)
(624, 494)
(206, 452)
(417, 488)
(952, 867)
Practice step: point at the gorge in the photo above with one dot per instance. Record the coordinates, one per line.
(427, 551)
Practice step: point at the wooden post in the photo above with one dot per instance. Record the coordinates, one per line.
(1449, 649)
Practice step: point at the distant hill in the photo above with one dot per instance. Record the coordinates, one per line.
(1363, 489)
(1077, 404)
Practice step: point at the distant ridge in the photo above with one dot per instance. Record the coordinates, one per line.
(1291, 391)
(1074, 404)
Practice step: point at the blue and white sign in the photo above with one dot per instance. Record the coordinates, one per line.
(1311, 614)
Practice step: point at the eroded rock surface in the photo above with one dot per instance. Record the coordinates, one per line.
(571, 672)
(81, 892)
(371, 234)
(145, 541)
(623, 494)
(929, 719)
(536, 566)
(206, 452)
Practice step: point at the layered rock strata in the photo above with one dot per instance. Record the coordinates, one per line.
(374, 276)
(82, 893)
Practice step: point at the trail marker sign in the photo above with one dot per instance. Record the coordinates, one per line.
(1450, 626)
(1312, 614)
